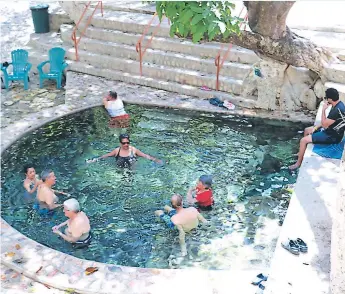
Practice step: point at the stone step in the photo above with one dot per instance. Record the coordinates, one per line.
(188, 77)
(160, 84)
(205, 50)
(334, 42)
(335, 72)
(339, 87)
(128, 6)
(184, 76)
(37, 56)
(159, 57)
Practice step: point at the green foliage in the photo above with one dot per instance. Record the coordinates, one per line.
(199, 19)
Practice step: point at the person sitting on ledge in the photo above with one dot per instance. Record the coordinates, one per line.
(204, 196)
(46, 198)
(78, 225)
(331, 130)
(184, 219)
(115, 108)
(31, 182)
(125, 155)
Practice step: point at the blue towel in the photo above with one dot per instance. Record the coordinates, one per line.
(330, 151)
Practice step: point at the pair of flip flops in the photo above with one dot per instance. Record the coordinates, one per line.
(217, 102)
(295, 246)
(258, 282)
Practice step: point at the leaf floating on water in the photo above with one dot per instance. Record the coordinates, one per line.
(17, 246)
(90, 270)
(10, 254)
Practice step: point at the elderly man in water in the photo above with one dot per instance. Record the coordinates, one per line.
(78, 224)
(46, 198)
(184, 219)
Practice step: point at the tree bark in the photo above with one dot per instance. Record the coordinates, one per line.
(268, 18)
(291, 49)
(271, 37)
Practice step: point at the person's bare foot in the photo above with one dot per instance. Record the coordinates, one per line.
(159, 212)
(294, 166)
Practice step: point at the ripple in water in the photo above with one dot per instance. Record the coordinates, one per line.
(120, 203)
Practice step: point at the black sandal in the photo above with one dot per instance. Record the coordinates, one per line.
(303, 247)
(291, 246)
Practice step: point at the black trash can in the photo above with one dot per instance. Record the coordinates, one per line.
(40, 18)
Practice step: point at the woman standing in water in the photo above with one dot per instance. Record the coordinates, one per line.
(114, 106)
(126, 154)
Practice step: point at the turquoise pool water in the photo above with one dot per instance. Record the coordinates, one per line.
(120, 203)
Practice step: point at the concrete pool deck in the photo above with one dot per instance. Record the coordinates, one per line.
(310, 204)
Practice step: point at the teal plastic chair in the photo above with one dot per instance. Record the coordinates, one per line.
(21, 68)
(57, 66)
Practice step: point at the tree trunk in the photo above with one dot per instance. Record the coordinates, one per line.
(271, 37)
(268, 18)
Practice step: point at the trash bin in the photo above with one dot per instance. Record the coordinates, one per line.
(40, 18)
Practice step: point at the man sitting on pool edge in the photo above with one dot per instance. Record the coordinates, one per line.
(204, 197)
(78, 224)
(185, 219)
(331, 130)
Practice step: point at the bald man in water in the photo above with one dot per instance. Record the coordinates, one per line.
(184, 219)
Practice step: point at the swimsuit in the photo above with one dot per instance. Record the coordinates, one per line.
(167, 218)
(83, 243)
(27, 195)
(125, 161)
(42, 211)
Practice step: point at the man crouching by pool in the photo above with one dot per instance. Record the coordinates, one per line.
(184, 219)
(78, 225)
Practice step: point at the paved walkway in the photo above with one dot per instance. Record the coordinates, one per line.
(15, 283)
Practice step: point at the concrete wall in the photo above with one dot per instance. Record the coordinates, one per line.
(338, 239)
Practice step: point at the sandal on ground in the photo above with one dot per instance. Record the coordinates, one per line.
(262, 287)
(216, 102)
(205, 88)
(303, 247)
(291, 246)
(262, 277)
(229, 105)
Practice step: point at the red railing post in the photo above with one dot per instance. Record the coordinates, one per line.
(217, 62)
(74, 33)
(138, 48)
(74, 38)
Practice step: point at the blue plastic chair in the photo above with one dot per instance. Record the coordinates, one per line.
(57, 66)
(21, 68)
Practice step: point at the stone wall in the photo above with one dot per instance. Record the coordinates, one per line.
(338, 239)
(283, 87)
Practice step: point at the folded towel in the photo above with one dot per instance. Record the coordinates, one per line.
(334, 151)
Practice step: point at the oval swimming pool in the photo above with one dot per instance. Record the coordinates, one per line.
(243, 155)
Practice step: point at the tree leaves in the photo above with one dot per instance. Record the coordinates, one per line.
(200, 19)
(196, 19)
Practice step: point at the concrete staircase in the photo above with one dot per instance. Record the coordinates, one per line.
(108, 50)
(172, 64)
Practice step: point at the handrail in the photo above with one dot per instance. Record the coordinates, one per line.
(74, 33)
(219, 63)
(138, 46)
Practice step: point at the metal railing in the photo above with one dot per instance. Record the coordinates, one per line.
(138, 47)
(74, 33)
(218, 62)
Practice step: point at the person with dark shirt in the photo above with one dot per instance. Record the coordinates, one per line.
(331, 130)
(203, 194)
